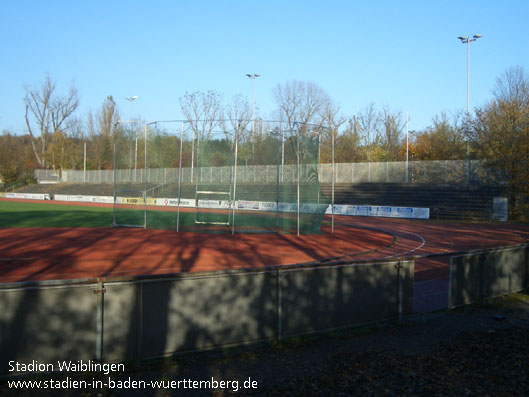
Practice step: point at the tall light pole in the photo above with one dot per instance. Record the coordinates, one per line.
(131, 100)
(253, 77)
(407, 143)
(467, 40)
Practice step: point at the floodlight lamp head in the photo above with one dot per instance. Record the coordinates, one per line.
(463, 39)
(477, 36)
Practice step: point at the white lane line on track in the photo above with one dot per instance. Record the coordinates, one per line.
(423, 241)
(397, 233)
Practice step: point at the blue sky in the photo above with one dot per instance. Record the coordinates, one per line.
(401, 54)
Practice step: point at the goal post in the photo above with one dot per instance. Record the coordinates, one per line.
(213, 207)
(130, 208)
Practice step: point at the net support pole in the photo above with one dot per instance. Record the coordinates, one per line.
(198, 169)
(179, 179)
(299, 173)
(277, 185)
(333, 177)
(407, 144)
(136, 157)
(145, 156)
(192, 157)
(235, 177)
(196, 177)
(84, 164)
(114, 171)
(282, 151)
(145, 208)
(146, 180)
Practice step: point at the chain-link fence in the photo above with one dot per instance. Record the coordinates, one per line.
(48, 176)
(433, 172)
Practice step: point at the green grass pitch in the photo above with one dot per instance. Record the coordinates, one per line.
(15, 214)
(23, 214)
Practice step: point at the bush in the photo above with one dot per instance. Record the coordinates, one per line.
(27, 178)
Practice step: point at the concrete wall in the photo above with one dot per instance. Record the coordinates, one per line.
(149, 317)
(200, 312)
(47, 324)
(329, 297)
(485, 274)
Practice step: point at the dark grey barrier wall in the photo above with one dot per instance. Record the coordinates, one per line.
(47, 324)
(146, 317)
(488, 273)
(318, 298)
(121, 326)
(200, 312)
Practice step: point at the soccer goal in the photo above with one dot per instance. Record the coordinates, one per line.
(130, 208)
(213, 207)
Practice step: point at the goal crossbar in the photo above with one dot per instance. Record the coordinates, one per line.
(211, 193)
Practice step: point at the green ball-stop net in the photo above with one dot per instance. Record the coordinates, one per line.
(221, 176)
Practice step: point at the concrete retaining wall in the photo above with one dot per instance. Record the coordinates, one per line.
(147, 317)
(47, 324)
(328, 297)
(488, 273)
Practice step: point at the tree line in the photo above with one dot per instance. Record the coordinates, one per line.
(497, 132)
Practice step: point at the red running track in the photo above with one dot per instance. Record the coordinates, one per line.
(34, 254)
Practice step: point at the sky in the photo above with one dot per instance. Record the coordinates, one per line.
(403, 55)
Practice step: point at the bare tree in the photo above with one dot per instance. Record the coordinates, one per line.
(239, 113)
(391, 125)
(50, 113)
(330, 115)
(369, 120)
(513, 86)
(300, 101)
(332, 121)
(202, 111)
(100, 127)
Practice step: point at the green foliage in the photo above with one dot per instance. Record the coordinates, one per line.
(16, 157)
(27, 178)
(442, 141)
(502, 132)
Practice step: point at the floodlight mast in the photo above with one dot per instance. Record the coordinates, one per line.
(253, 76)
(466, 40)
